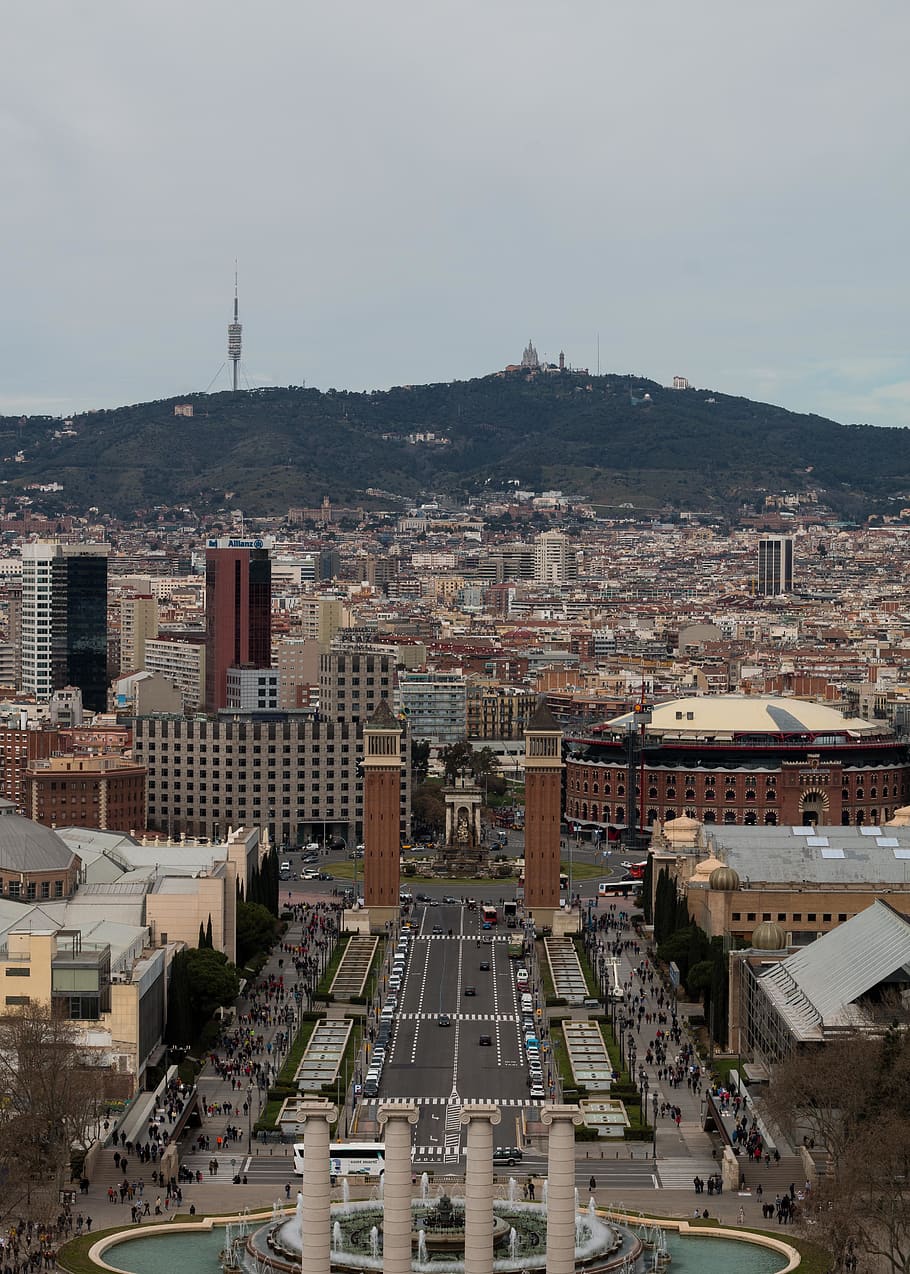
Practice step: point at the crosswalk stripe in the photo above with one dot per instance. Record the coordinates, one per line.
(445, 1101)
(457, 1017)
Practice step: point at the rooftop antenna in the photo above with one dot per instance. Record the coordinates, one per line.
(235, 331)
(598, 353)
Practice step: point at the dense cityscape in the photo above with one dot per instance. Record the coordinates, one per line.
(187, 719)
(455, 639)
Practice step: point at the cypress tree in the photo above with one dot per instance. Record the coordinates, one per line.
(208, 933)
(201, 942)
(646, 890)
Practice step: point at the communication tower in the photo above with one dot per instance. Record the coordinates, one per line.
(235, 331)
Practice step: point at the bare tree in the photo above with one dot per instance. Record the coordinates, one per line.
(851, 1097)
(50, 1101)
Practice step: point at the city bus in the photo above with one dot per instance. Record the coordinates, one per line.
(349, 1158)
(488, 914)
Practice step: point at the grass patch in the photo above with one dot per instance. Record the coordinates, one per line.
(582, 871)
(546, 977)
(332, 967)
(268, 1118)
(369, 989)
(561, 1054)
(590, 979)
(721, 1067)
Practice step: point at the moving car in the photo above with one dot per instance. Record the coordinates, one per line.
(507, 1154)
(538, 1092)
(485, 1041)
(484, 966)
(470, 990)
(443, 1020)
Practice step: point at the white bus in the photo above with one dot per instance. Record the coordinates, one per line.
(349, 1158)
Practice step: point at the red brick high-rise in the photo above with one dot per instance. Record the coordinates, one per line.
(382, 816)
(238, 612)
(543, 814)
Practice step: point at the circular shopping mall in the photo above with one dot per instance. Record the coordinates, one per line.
(752, 760)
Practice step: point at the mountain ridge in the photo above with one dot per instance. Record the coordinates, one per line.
(604, 439)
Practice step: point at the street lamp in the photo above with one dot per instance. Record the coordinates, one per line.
(654, 1127)
(249, 1119)
(644, 1100)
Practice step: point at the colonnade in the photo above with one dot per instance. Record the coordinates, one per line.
(397, 1120)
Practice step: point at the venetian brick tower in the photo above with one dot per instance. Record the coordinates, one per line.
(543, 812)
(381, 817)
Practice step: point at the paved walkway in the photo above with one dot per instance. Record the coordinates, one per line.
(253, 1068)
(682, 1149)
(679, 1150)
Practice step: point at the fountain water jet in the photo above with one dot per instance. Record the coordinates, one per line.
(345, 1190)
(336, 1237)
(513, 1189)
(374, 1242)
(513, 1243)
(422, 1246)
(424, 1186)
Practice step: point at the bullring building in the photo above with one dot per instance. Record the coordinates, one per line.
(737, 759)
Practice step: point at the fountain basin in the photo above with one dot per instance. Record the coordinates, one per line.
(599, 1244)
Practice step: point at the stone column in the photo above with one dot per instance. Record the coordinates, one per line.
(316, 1237)
(561, 1121)
(398, 1120)
(478, 1188)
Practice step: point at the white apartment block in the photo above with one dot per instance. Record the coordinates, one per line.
(181, 662)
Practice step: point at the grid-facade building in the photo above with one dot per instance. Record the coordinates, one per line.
(293, 772)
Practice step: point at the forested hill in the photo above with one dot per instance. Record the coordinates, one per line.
(606, 438)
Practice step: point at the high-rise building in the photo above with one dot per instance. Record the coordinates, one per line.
(238, 612)
(64, 620)
(353, 681)
(775, 565)
(138, 623)
(554, 558)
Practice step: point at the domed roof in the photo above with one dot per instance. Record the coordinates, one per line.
(750, 714)
(724, 878)
(769, 936)
(30, 847)
(708, 865)
(901, 817)
(681, 831)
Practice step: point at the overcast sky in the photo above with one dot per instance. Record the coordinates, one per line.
(413, 190)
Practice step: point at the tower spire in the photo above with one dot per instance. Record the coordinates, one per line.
(235, 331)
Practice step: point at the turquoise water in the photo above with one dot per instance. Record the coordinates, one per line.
(198, 1254)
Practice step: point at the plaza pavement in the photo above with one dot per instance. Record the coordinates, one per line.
(686, 1150)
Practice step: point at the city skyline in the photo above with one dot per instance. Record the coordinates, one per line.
(720, 200)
